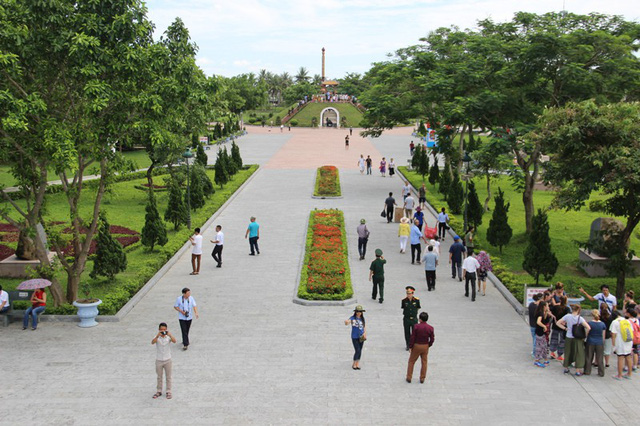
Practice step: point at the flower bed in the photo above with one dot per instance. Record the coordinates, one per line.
(327, 182)
(6, 252)
(325, 273)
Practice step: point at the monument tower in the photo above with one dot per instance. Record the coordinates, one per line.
(323, 75)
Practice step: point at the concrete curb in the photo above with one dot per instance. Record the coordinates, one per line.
(158, 275)
(490, 276)
(305, 302)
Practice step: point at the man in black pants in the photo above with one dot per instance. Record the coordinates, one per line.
(389, 205)
(186, 307)
(217, 250)
(410, 306)
(469, 268)
(443, 218)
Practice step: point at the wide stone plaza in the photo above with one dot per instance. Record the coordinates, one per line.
(258, 358)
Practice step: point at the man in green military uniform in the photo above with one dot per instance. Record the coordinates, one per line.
(410, 307)
(376, 274)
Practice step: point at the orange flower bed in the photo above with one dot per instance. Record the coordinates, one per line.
(325, 273)
(327, 182)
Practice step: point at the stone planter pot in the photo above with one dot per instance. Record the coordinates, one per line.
(574, 300)
(87, 312)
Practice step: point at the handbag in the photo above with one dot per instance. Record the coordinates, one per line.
(578, 330)
(383, 214)
(362, 339)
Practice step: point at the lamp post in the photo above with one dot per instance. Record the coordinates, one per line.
(467, 161)
(187, 155)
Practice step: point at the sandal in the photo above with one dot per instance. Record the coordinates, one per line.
(168, 395)
(579, 374)
(157, 394)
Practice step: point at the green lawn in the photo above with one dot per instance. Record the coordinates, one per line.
(125, 206)
(139, 156)
(275, 111)
(565, 229)
(353, 115)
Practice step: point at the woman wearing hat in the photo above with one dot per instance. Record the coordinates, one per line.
(358, 334)
(403, 232)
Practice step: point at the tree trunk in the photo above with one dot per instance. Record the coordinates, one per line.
(150, 174)
(486, 201)
(464, 128)
(527, 200)
(73, 283)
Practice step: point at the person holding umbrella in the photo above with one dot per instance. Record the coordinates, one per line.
(38, 305)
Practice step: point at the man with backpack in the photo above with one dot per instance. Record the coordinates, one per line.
(622, 338)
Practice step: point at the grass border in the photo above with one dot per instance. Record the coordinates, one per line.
(304, 273)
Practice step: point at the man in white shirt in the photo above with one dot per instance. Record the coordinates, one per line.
(4, 301)
(408, 206)
(406, 189)
(186, 307)
(217, 250)
(469, 267)
(196, 251)
(163, 358)
(603, 297)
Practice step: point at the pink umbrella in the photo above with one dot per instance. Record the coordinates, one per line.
(34, 284)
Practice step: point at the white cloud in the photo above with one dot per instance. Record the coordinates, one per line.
(236, 36)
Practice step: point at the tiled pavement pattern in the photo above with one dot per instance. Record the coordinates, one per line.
(257, 358)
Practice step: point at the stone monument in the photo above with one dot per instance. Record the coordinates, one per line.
(601, 237)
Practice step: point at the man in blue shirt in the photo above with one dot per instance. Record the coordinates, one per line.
(253, 232)
(430, 261)
(455, 257)
(415, 236)
(443, 218)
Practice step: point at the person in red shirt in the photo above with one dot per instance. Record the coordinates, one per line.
(38, 304)
(421, 340)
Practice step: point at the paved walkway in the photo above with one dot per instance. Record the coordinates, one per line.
(257, 358)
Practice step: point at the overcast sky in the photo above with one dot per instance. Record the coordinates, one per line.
(241, 36)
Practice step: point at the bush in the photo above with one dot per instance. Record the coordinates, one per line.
(293, 123)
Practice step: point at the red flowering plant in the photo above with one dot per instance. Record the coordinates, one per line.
(327, 182)
(325, 273)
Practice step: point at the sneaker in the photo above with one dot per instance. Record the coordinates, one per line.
(539, 364)
(560, 358)
(567, 371)
(553, 355)
(546, 362)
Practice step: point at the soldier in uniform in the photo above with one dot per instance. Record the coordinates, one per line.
(410, 307)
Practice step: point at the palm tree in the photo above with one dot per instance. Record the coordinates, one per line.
(302, 76)
(317, 79)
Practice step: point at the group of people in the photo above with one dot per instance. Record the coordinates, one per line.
(186, 306)
(419, 337)
(366, 164)
(560, 332)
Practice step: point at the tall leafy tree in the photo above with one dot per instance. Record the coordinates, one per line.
(596, 148)
(302, 76)
(72, 79)
(154, 231)
(490, 160)
(539, 260)
(499, 232)
(110, 256)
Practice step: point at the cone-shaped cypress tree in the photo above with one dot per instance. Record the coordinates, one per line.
(434, 172)
(455, 197)
(499, 232)
(475, 210)
(176, 208)
(196, 189)
(207, 186)
(154, 231)
(418, 152)
(228, 163)
(423, 164)
(445, 180)
(110, 256)
(222, 176)
(235, 155)
(201, 156)
(538, 257)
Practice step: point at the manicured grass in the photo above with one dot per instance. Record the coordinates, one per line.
(565, 229)
(313, 109)
(125, 205)
(327, 182)
(276, 111)
(325, 272)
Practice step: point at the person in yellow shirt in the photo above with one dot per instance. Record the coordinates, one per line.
(403, 232)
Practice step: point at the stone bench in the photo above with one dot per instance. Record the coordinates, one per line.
(15, 296)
